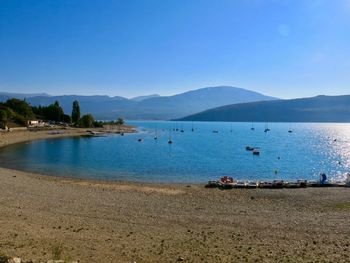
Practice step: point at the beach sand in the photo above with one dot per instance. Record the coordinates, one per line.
(95, 221)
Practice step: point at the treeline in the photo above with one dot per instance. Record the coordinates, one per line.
(20, 112)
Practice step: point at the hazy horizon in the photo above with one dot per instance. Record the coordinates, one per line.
(285, 49)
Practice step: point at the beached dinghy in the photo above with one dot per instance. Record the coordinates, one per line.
(240, 184)
(323, 182)
(291, 184)
(277, 184)
(265, 184)
(227, 182)
(347, 181)
(212, 184)
(251, 184)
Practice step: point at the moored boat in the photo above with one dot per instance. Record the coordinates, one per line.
(256, 151)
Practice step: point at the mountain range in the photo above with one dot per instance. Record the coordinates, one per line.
(152, 107)
(314, 109)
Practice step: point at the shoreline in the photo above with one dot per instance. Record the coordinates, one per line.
(103, 221)
(17, 137)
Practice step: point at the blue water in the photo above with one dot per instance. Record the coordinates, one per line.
(194, 157)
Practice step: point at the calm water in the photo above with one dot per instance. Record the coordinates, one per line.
(194, 156)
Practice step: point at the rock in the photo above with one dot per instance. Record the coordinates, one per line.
(15, 260)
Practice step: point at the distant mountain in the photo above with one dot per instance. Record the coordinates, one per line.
(141, 98)
(315, 109)
(4, 96)
(153, 106)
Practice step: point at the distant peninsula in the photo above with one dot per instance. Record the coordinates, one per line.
(314, 109)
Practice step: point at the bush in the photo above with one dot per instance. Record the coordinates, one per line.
(3, 258)
(87, 121)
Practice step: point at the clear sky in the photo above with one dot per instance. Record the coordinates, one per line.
(283, 48)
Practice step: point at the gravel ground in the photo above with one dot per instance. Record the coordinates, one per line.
(44, 216)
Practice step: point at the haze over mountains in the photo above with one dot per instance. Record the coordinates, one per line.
(315, 109)
(147, 107)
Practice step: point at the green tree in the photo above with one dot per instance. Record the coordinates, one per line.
(67, 118)
(87, 121)
(21, 107)
(120, 121)
(75, 112)
(53, 112)
(3, 118)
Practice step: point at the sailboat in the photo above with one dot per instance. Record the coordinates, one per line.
(156, 133)
(266, 127)
(170, 140)
(252, 128)
(192, 127)
(290, 129)
(231, 128)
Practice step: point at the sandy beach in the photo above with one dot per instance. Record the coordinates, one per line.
(95, 221)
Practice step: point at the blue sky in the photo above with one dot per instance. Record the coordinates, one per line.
(283, 48)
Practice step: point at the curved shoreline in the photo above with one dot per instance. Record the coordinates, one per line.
(96, 221)
(18, 137)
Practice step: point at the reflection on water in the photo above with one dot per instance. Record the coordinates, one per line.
(194, 156)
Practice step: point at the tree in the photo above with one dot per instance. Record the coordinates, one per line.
(75, 112)
(87, 121)
(53, 112)
(3, 118)
(67, 118)
(120, 121)
(21, 107)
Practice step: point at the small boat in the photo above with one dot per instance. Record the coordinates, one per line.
(182, 131)
(302, 182)
(248, 148)
(252, 128)
(251, 184)
(212, 184)
(277, 184)
(122, 134)
(170, 141)
(240, 184)
(347, 181)
(156, 133)
(322, 182)
(267, 128)
(140, 140)
(291, 184)
(265, 184)
(215, 131)
(227, 182)
(256, 151)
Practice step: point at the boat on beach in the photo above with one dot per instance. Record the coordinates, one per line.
(212, 184)
(227, 182)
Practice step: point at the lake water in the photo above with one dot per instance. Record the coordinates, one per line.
(194, 157)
